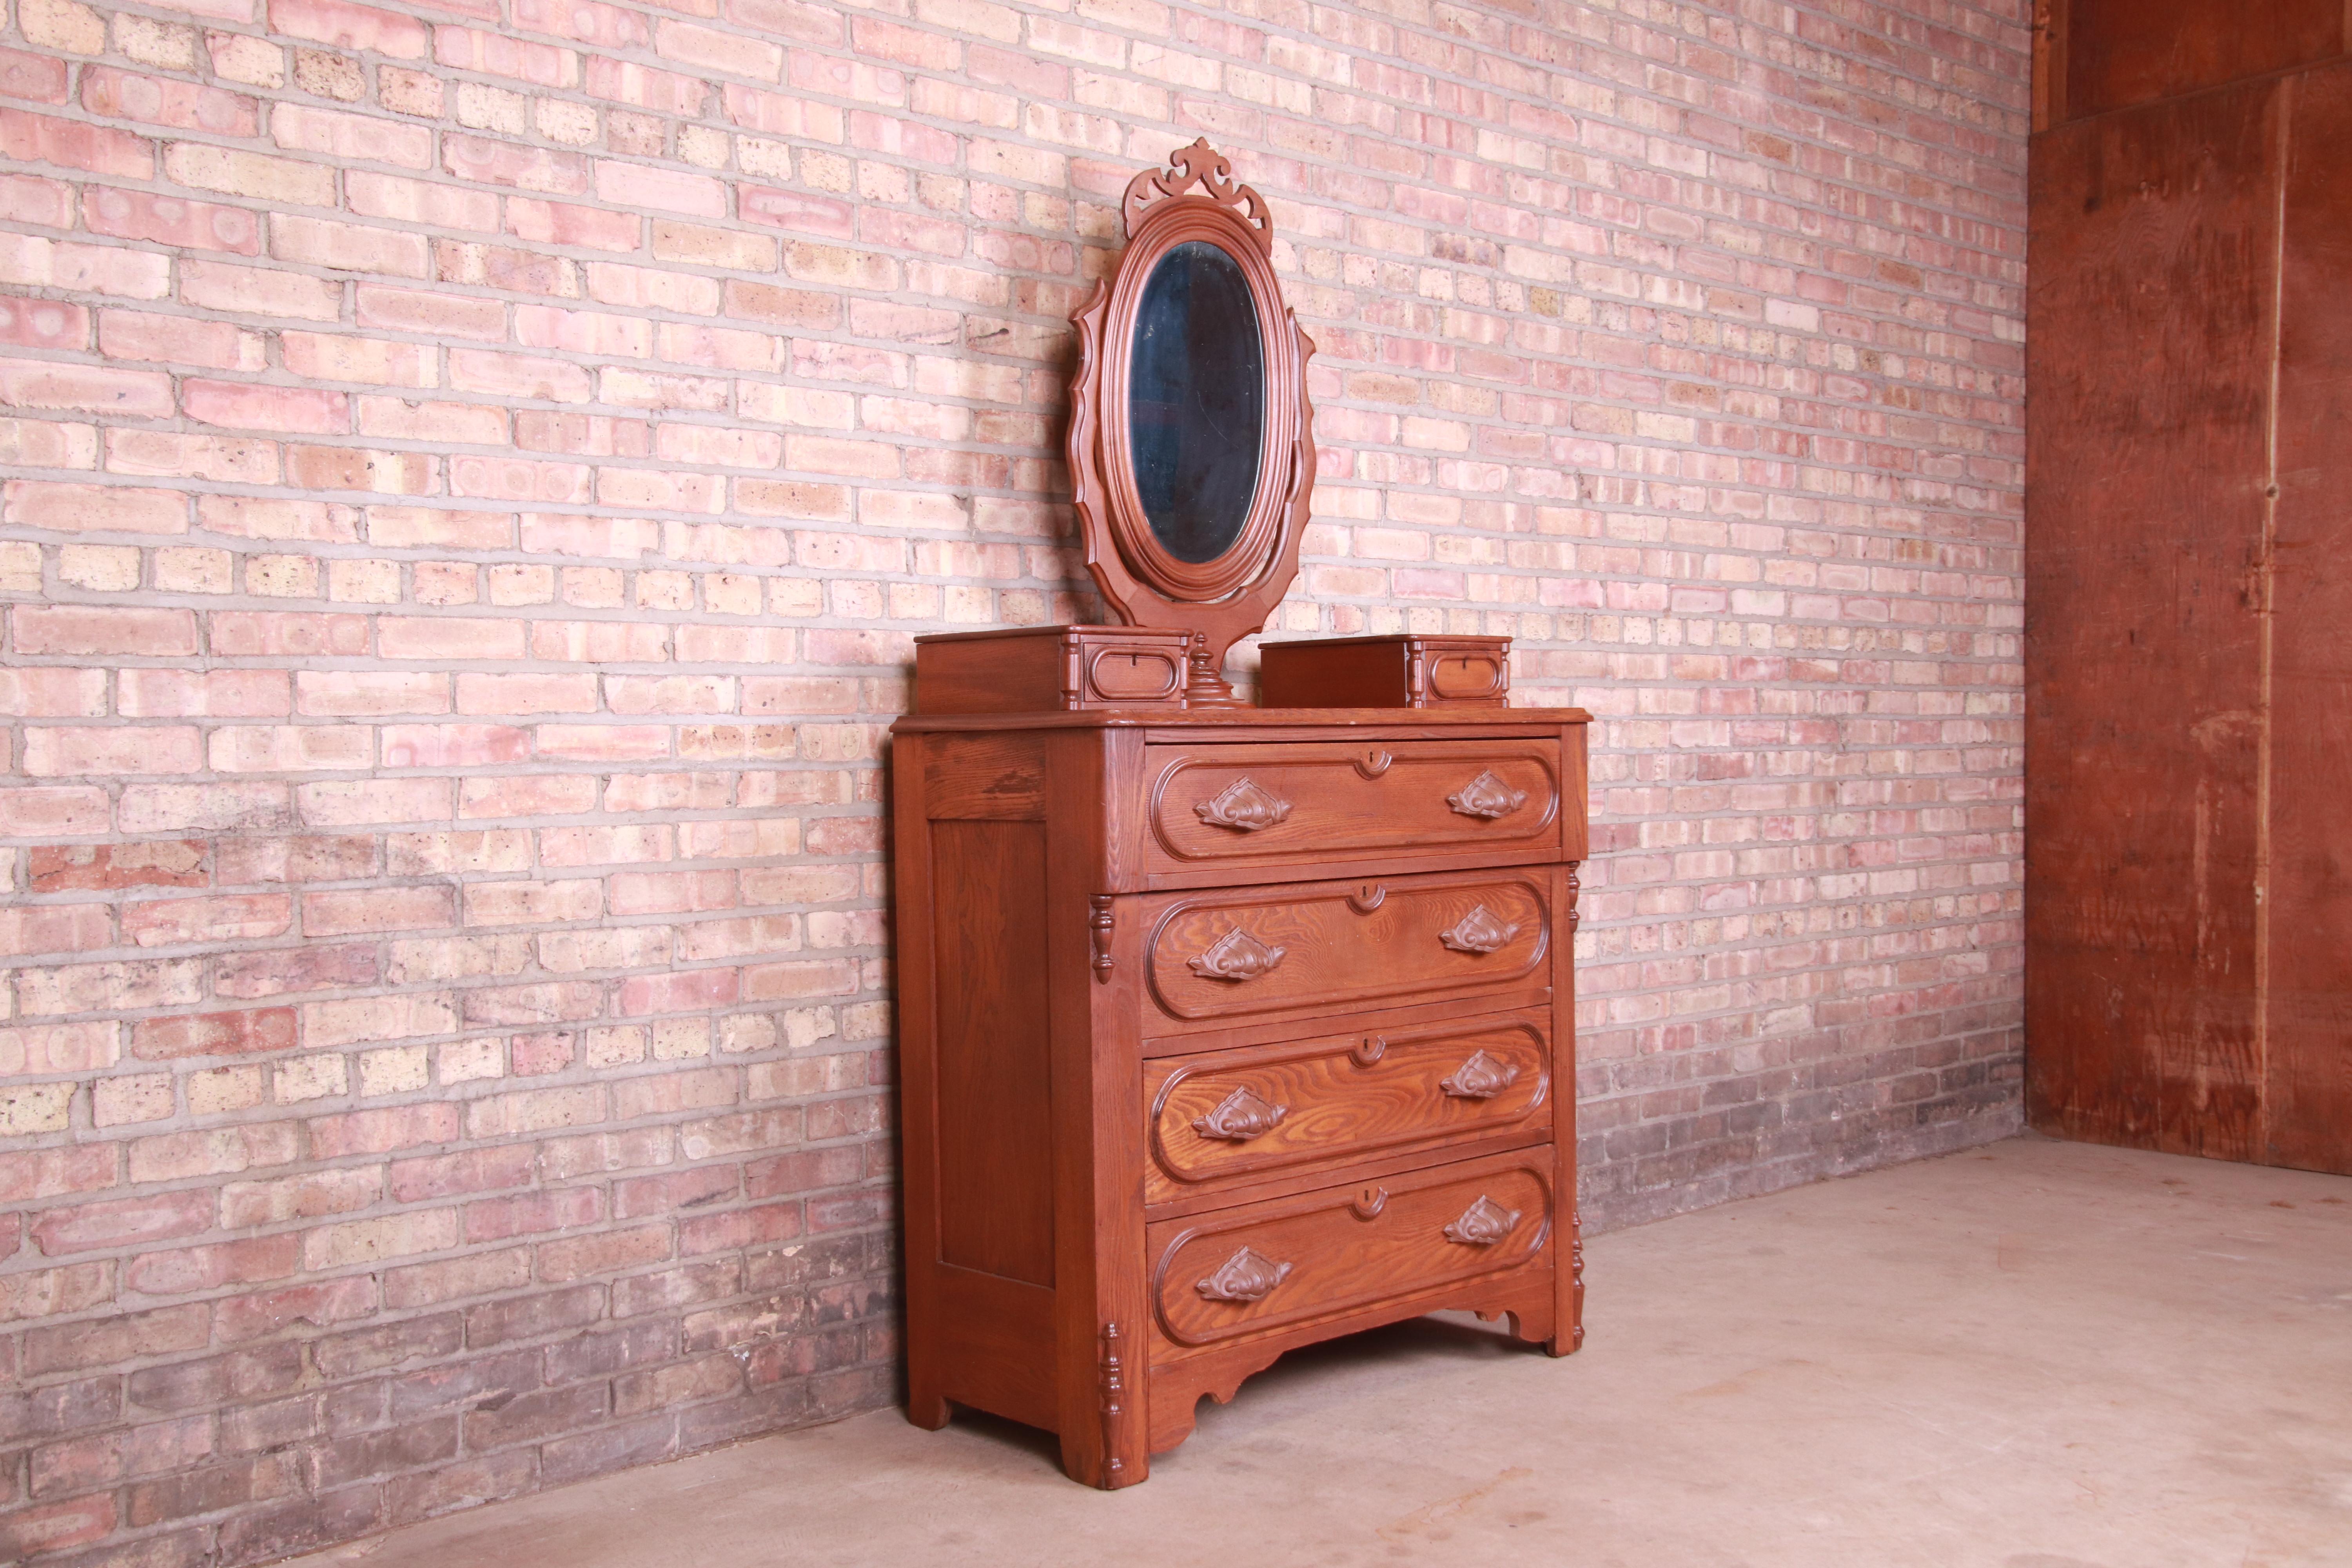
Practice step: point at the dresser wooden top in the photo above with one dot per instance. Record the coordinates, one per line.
(1270, 722)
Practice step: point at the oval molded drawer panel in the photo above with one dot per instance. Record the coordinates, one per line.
(1332, 946)
(1333, 800)
(1268, 1111)
(1262, 1267)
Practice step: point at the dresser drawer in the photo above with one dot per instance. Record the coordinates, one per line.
(1272, 804)
(1331, 947)
(1306, 1106)
(1266, 1267)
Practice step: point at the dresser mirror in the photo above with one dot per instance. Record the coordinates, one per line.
(1192, 446)
(1196, 403)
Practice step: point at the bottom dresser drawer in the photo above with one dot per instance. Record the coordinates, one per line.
(1264, 1266)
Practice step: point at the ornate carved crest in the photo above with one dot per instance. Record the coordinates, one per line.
(1480, 1078)
(1246, 1275)
(1479, 932)
(1237, 956)
(1487, 797)
(1245, 805)
(1482, 1223)
(1240, 1117)
(1203, 165)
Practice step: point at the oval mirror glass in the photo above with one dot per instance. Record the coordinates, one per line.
(1196, 401)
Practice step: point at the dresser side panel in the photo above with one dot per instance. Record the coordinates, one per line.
(994, 1071)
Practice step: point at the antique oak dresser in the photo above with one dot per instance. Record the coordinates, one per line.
(1225, 1029)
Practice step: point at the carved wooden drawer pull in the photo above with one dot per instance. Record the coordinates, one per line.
(1245, 805)
(1246, 1275)
(1480, 1078)
(1479, 932)
(1240, 1117)
(1487, 797)
(1236, 956)
(1482, 1223)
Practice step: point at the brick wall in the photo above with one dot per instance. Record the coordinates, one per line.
(472, 473)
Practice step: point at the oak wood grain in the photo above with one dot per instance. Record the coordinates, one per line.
(1344, 1098)
(1346, 1248)
(1344, 801)
(1407, 670)
(1339, 946)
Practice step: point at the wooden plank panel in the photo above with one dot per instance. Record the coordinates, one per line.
(2308, 1103)
(2149, 341)
(2118, 53)
(995, 1093)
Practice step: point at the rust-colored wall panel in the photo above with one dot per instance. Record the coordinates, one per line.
(2309, 1091)
(2148, 339)
(2118, 53)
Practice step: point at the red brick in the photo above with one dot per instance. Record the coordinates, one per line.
(273, 1312)
(276, 972)
(213, 1034)
(475, 1274)
(110, 1342)
(534, 1418)
(56, 1173)
(161, 100)
(112, 509)
(54, 1526)
(582, 1257)
(43, 324)
(171, 220)
(265, 1534)
(473, 1170)
(350, 27)
(195, 1269)
(464, 1484)
(122, 1222)
(45, 139)
(38, 79)
(534, 1317)
(754, 1227)
(383, 1132)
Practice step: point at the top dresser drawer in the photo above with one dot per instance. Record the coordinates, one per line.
(1276, 804)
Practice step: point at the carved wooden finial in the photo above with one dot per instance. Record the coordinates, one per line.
(1203, 165)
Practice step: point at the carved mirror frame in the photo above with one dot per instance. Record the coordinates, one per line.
(1224, 599)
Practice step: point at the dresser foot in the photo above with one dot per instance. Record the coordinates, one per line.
(928, 1411)
(1088, 1465)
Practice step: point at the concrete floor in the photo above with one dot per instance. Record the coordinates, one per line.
(2031, 1356)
